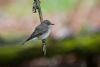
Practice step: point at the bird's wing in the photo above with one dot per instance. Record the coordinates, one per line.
(38, 31)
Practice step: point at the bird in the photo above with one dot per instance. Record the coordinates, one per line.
(41, 32)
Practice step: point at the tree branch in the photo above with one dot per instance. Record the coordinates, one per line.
(37, 7)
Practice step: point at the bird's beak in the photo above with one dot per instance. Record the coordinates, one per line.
(52, 24)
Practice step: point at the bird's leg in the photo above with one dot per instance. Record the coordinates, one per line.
(44, 46)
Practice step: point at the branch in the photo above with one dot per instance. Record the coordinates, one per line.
(37, 7)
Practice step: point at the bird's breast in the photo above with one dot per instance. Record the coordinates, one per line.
(45, 35)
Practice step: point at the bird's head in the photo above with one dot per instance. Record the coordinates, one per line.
(47, 22)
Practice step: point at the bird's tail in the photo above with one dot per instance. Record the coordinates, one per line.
(27, 40)
(23, 43)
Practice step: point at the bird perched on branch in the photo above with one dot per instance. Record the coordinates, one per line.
(41, 32)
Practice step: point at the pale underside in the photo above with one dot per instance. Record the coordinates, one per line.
(44, 35)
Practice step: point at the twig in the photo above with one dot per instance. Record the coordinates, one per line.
(44, 46)
(37, 7)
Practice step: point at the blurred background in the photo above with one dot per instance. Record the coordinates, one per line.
(73, 42)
